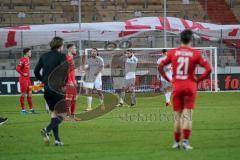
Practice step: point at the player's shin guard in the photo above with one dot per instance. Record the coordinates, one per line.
(29, 99)
(186, 134)
(177, 137)
(21, 99)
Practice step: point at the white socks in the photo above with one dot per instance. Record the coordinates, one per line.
(89, 102)
(168, 96)
(46, 106)
(101, 101)
(122, 97)
(120, 100)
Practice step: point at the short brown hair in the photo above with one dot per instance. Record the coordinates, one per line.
(129, 50)
(95, 49)
(70, 45)
(186, 36)
(56, 43)
(164, 51)
(26, 50)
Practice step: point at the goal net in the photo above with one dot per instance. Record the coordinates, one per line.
(147, 76)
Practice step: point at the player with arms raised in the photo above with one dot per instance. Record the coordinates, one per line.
(23, 68)
(184, 60)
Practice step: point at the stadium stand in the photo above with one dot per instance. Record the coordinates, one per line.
(234, 5)
(65, 11)
(219, 11)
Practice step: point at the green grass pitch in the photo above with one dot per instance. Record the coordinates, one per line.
(144, 132)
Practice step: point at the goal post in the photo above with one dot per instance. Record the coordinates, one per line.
(147, 73)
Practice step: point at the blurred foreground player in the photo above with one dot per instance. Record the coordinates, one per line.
(3, 120)
(166, 86)
(48, 63)
(23, 68)
(184, 60)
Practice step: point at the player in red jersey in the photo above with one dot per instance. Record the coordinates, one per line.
(184, 60)
(23, 68)
(71, 86)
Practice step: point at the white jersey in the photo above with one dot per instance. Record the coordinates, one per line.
(131, 67)
(99, 76)
(91, 80)
(167, 69)
(94, 65)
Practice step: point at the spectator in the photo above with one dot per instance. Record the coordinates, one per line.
(137, 13)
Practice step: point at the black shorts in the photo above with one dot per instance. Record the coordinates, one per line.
(52, 98)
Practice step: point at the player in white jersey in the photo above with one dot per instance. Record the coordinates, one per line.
(166, 86)
(129, 77)
(93, 77)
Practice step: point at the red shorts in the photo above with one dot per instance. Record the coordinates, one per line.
(71, 92)
(184, 97)
(25, 85)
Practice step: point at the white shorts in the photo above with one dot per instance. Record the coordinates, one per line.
(97, 84)
(122, 82)
(129, 82)
(118, 82)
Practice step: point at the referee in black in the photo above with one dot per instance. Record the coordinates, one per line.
(52, 72)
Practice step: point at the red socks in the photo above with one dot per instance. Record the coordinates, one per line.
(177, 136)
(68, 105)
(186, 133)
(21, 99)
(29, 99)
(73, 107)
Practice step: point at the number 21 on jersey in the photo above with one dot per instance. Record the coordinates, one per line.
(182, 68)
